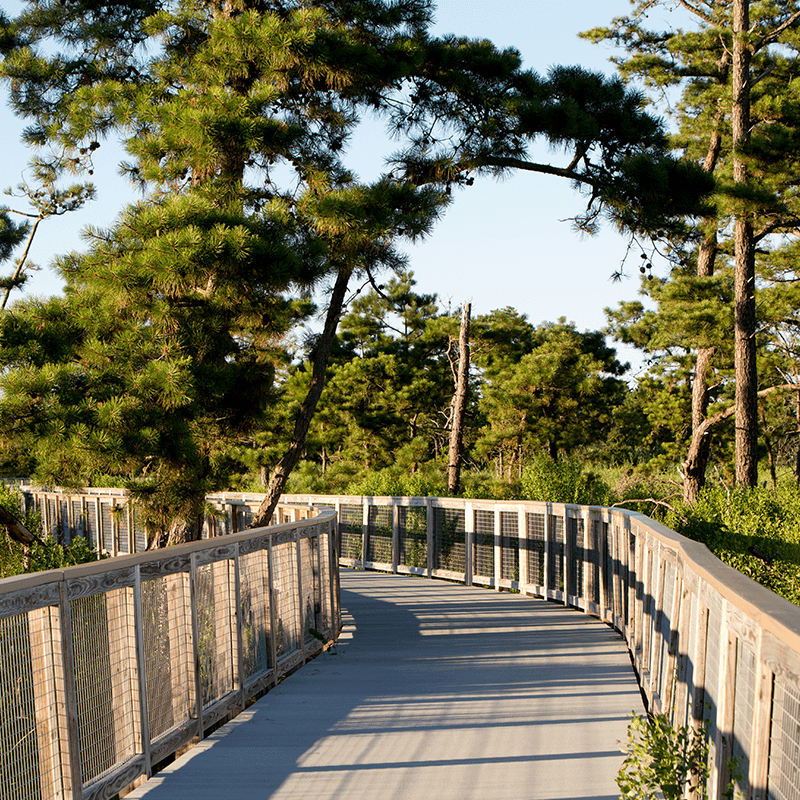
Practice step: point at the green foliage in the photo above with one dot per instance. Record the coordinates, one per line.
(752, 529)
(14, 559)
(52, 555)
(662, 760)
(549, 389)
(389, 484)
(564, 481)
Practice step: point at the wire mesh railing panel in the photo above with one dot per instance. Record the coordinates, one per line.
(576, 566)
(617, 555)
(351, 522)
(509, 545)
(413, 525)
(326, 612)
(651, 611)
(30, 764)
(214, 606)
(633, 580)
(309, 582)
(123, 534)
(448, 539)
(108, 530)
(744, 699)
(104, 654)
(483, 548)
(555, 567)
(78, 526)
(535, 547)
(63, 519)
(139, 534)
(665, 630)
(168, 659)
(245, 517)
(592, 561)
(92, 528)
(284, 566)
(784, 754)
(379, 535)
(52, 517)
(711, 683)
(254, 610)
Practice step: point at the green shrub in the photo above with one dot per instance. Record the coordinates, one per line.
(565, 481)
(49, 554)
(753, 530)
(388, 484)
(663, 761)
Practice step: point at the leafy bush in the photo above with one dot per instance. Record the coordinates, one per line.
(48, 555)
(385, 483)
(753, 530)
(565, 481)
(663, 761)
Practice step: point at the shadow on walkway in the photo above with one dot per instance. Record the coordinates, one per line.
(435, 691)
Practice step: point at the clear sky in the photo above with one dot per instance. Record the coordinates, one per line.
(507, 243)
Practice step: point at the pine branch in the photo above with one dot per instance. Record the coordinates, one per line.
(772, 35)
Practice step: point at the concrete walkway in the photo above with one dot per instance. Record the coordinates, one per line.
(436, 691)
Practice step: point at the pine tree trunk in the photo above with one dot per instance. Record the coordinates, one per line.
(696, 463)
(459, 405)
(744, 265)
(185, 530)
(797, 419)
(306, 411)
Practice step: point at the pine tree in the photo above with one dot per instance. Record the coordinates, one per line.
(550, 399)
(236, 116)
(736, 117)
(177, 314)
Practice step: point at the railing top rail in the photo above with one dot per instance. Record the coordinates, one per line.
(174, 554)
(773, 613)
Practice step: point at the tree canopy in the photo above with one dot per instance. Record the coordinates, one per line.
(236, 116)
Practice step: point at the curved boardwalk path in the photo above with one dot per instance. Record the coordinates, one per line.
(436, 691)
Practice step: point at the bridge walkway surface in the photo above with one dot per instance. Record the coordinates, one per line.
(434, 691)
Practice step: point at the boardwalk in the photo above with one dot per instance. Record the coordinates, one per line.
(435, 691)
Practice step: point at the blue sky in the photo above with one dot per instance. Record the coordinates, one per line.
(507, 243)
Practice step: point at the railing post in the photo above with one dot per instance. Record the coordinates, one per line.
(430, 534)
(364, 531)
(74, 772)
(141, 656)
(469, 542)
(498, 549)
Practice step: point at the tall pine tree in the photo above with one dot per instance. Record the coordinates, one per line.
(736, 116)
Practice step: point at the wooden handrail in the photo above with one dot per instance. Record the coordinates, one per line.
(709, 645)
(113, 666)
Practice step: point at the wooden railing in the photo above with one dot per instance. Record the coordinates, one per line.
(108, 668)
(709, 645)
